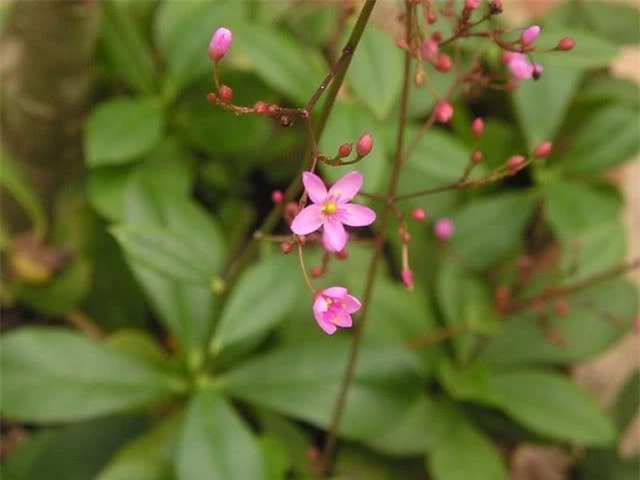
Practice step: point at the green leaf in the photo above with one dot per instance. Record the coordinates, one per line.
(468, 383)
(215, 443)
(147, 457)
(461, 452)
(139, 345)
(302, 381)
(275, 459)
(542, 105)
(74, 452)
(627, 404)
(126, 50)
(257, 303)
(572, 208)
(607, 89)
(491, 228)
(590, 51)
(375, 74)
(606, 139)
(55, 375)
(121, 130)
(166, 252)
(185, 308)
(587, 330)
(346, 124)
(280, 61)
(550, 405)
(291, 437)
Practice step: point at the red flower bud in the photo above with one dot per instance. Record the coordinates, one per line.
(364, 145)
(316, 272)
(286, 247)
(565, 44)
(477, 127)
(407, 279)
(418, 214)
(432, 18)
(515, 163)
(345, 150)
(443, 112)
(260, 107)
(442, 63)
(277, 197)
(477, 157)
(225, 93)
(561, 307)
(543, 150)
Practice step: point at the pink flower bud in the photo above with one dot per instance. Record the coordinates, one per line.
(219, 44)
(225, 93)
(477, 127)
(477, 157)
(443, 112)
(436, 36)
(316, 272)
(429, 49)
(515, 163)
(260, 107)
(345, 150)
(443, 229)
(543, 150)
(407, 279)
(561, 307)
(277, 197)
(565, 44)
(506, 58)
(529, 35)
(286, 247)
(418, 214)
(432, 18)
(495, 7)
(443, 63)
(471, 4)
(364, 145)
(502, 296)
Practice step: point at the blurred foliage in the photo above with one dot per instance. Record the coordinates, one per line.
(194, 382)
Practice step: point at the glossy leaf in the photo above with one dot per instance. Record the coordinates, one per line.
(214, 443)
(79, 378)
(121, 130)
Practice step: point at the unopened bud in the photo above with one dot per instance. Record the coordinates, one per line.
(543, 150)
(404, 235)
(495, 7)
(502, 298)
(407, 279)
(477, 157)
(260, 107)
(316, 272)
(290, 211)
(429, 49)
(443, 112)
(443, 63)
(515, 163)
(277, 197)
(436, 36)
(432, 18)
(561, 307)
(565, 44)
(345, 150)
(477, 127)
(286, 247)
(471, 4)
(418, 214)
(219, 44)
(364, 145)
(225, 93)
(529, 35)
(443, 229)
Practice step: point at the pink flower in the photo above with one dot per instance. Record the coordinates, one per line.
(443, 229)
(407, 279)
(443, 112)
(219, 44)
(520, 67)
(333, 307)
(331, 210)
(529, 35)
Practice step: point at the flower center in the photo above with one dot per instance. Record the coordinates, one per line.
(330, 208)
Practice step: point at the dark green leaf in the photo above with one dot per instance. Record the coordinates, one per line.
(55, 375)
(606, 139)
(551, 405)
(627, 404)
(274, 457)
(121, 130)
(291, 437)
(375, 74)
(215, 443)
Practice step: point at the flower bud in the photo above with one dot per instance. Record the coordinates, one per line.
(502, 297)
(342, 254)
(565, 44)
(561, 307)
(364, 145)
(471, 4)
(543, 150)
(316, 272)
(219, 44)
(432, 18)
(345, 150)
(260, 107)
(442, 63)
(477, 157)
(277, 197)
(477, 127)
(529, 35)
(515, 163)
(418, 214)
(286, 247)
(225, 93)
(495, 7)
(443, 229)
(443, 112)
(436, 36)
(429, 49)
(407, 278)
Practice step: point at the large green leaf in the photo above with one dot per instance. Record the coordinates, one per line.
(491, 228)
(56, 375)
(460, 451)
(215, 443)
(257, 303)
(74, 452)
(542, 105)
(375, 74)
(606, 139)
(590, 51)
(147, 457)
(550, 405)
(185, 309)
(303, 380)
(121, 130)
(627, 404)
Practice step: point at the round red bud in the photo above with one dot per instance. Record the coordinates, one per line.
(565, 44)
(543, 150)
(471, 4)
(561, 307)
(432, 18)
(418, 214)
(407, 279)
(316, 272)
(364, 145)
(436, 36)
(286, 247)
(345, 150)
(515, 163)
(260, 107)
(277, 197)
(442, 63)
(272, 109)
(211, 98)
(443, 112)
(477, 157)
(405, 236)
(225, 93)
(477, 127)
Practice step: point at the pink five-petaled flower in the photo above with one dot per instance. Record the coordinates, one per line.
(520, 67)
(331, 210)
(333, 307)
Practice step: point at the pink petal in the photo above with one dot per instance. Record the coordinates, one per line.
(355, 215)
(314, 186)
(343, 320)
(320, 306)
(352, 304)
(335, 292)
(347, 187)
(334, 234)
(307, 221)
(521, 70)
(329, 328)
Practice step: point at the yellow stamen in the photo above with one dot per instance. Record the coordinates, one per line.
(330, 208)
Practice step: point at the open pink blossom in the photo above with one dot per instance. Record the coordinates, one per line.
(520, 67)
(333, 307)
(331, 210)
